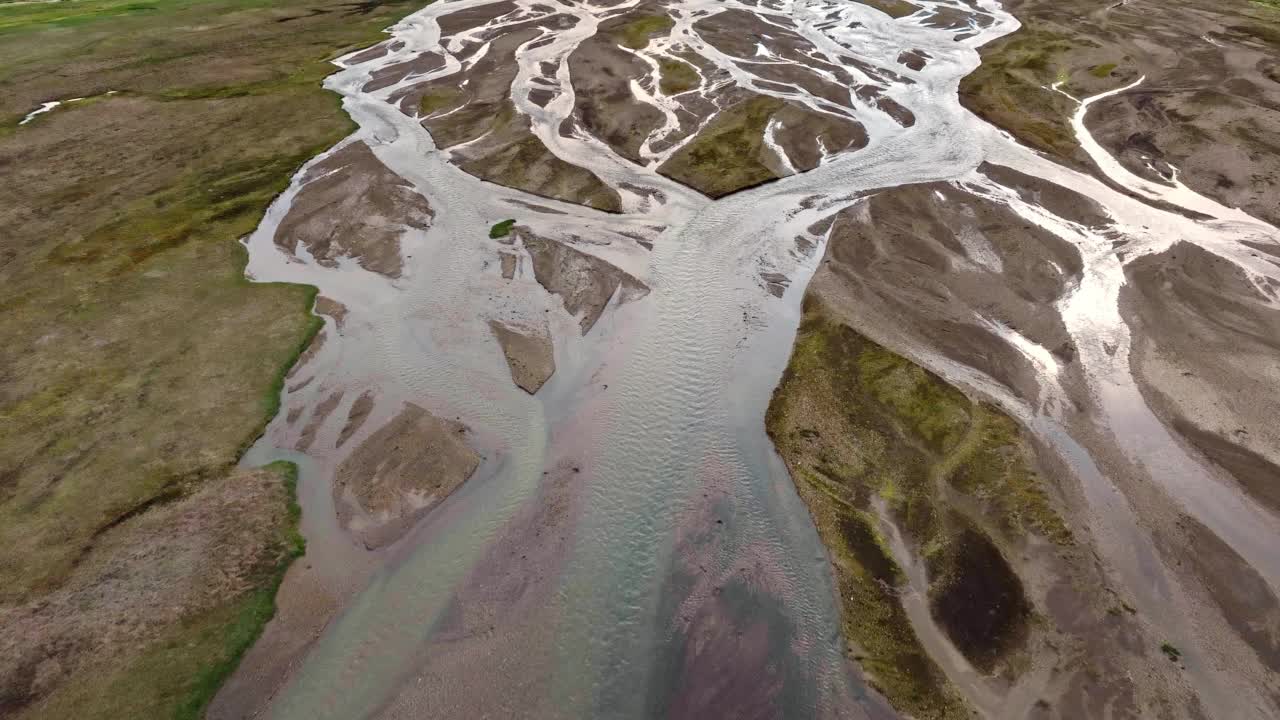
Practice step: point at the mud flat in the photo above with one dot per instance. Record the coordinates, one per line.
(1208, 332)
(584, 282)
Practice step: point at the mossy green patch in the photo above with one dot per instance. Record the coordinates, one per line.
(677, 76)
(437, 99)
(727, 155)
(1101, 71)
(637, 31)
(1011, 89)
(501, 229)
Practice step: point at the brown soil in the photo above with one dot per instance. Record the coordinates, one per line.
(1249, 605)
(1015, 598)
(902, 252)
(373, 53)
(801, 129)
(913, 59)
(318, 416)
(735, 32)
(458, 114)
(1066, 205)
(470, 18)
(354, 207)
(510, 261)
(516, 158)
(332, 308)
(888, 105)
(399, 473)
(800, 75)
(392, 74)
(584, 282)
(892, 8)
(529, 355)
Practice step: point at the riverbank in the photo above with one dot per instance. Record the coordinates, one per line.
(139, 362)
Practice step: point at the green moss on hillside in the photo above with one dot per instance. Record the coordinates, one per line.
(855, 421)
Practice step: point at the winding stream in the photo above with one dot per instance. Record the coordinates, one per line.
(659, 408)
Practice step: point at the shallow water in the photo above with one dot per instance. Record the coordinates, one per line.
(660, 406)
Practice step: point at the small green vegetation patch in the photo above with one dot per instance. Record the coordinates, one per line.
(1171, 652)
(677, 76)
(1101, 71)
(501, 229)
(636, 33)
(437, 99)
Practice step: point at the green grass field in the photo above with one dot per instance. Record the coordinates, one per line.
(138, 362)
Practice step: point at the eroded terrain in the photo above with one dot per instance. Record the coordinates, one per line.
(986, 421)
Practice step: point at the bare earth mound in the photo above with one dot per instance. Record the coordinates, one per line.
(400, 472)
(354, 207)
(529, 355)
(584, 282)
